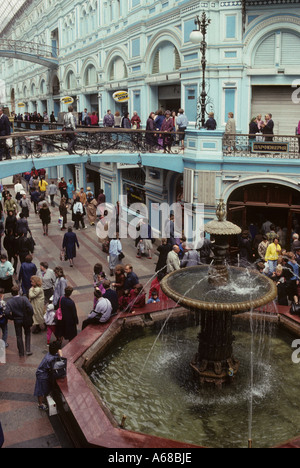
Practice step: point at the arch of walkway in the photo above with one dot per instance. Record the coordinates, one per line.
(16, 166)
(29, 51)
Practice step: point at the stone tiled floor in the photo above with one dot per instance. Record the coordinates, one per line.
(23, 424)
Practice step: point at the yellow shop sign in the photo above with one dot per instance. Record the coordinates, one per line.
(121, 96)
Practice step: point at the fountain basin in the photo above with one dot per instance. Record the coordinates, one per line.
(83, 409)
(203, 295)
(162, 399)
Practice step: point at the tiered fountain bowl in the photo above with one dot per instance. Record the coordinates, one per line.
(218, 292)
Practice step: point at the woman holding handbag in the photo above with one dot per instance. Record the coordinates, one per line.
(70, 242)
(63, 211)
(59, 287)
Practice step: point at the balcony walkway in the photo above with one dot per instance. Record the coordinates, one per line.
(28, 51)
(204, 151)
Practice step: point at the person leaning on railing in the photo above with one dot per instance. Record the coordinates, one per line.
(70, 127)
(182, 123)
(230, 132)
(268, 127)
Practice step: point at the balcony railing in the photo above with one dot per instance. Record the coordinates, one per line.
(90, 141)
(262, 146)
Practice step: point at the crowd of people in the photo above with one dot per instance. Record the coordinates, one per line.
(265, 249)
(34, 117)
(263, 130)
(41, 298)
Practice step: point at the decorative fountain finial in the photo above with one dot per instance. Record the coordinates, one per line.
(221, 211)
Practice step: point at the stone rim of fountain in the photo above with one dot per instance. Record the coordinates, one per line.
(235, 307)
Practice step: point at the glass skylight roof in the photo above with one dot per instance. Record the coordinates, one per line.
(8, 9)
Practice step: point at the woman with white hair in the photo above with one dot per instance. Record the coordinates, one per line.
(135, 121)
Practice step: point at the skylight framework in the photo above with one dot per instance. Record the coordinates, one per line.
(9, 10)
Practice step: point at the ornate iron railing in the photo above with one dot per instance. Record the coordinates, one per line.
(90, 141)
(100, 140)
(27, 47)
(262, 146)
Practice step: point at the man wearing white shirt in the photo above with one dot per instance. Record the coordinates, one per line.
(78, 214)
(101, 313)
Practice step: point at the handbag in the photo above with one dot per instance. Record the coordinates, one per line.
(121, 256)
(295, 309)
(59, 368)
(58, 314)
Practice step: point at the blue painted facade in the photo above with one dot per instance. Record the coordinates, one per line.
(143, 47)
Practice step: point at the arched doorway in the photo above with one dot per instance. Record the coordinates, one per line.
(252, 205)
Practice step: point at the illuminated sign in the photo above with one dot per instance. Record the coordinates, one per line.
(121, 96)
(67, 100)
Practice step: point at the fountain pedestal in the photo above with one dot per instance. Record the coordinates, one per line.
(214, 361)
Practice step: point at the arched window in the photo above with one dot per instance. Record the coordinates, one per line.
(118, 69)
(278, 49)
(90, 76)
(43, 87)
(70, 81)
(166, 58)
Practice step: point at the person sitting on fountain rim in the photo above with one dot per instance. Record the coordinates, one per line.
(101, 312)
(272, 254)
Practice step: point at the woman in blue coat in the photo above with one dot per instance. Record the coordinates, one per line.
(43, 385)
(27, 270)
(69, 244)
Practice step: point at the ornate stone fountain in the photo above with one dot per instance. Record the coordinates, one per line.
(218, 292)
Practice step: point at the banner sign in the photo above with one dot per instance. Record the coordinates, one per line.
(121, 96)
(67, 100)
(269, 146)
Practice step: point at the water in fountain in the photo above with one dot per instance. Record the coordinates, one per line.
(167, 403)
(206, 290)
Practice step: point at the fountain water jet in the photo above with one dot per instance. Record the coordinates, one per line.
(214, 361)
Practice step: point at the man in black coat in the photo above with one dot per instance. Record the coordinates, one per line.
(268, 127)
(19, 309)
(4, 131)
